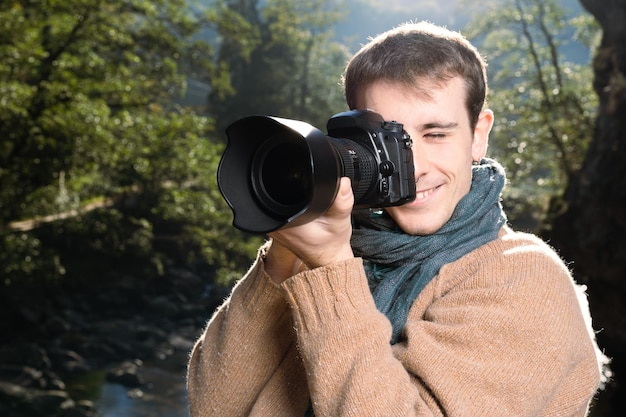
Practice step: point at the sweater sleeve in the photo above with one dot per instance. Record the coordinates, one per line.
(344, 343)
(226, 371)
(500, 332)
(503, 331)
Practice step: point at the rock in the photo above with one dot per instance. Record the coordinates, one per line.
(81, 409)
(188, 283)
(26, 354)
(32, 402)
(181, 343)
(29, 366)
(23, 375)
(55, 326)
(92, 331)
(67, 361)
(47, 401)
(164, 306)
(30, 314)
(126, 374)
(135, 394)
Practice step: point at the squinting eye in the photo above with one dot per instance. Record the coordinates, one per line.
(435, 135)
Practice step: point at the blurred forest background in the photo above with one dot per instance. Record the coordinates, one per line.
(112, 115)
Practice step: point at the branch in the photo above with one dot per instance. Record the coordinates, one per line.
(551, 45)
(547, 103)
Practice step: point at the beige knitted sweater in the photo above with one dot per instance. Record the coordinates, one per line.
(503, 331)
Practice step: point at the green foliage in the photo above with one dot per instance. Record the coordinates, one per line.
(284, 62)
(25, 260)
(543, 101)
(99, 248)
(88, 118)
(67, 69)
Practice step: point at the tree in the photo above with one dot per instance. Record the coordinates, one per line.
(72, 73)
(544, 106)
(88, 113)
(287, 66)
(590, 221)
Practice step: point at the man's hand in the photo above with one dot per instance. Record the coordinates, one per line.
(323, 241)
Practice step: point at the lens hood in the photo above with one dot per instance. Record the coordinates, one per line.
(277, 172)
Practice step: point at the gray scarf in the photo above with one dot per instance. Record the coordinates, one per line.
(398, 266)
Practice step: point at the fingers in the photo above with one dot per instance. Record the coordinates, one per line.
(322, 241)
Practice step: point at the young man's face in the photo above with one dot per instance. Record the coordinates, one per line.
(444, 147)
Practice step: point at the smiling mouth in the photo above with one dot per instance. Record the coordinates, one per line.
(421, 195)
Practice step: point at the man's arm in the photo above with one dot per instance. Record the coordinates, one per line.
(243, 344)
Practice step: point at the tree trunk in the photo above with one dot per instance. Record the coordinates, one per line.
(590, 229)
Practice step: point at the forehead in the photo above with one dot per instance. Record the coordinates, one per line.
(396, 101)
(424, 90)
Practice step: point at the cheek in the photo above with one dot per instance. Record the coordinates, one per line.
(464, 181)
(457, 166)
(454, 160)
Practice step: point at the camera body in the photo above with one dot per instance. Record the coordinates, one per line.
(376, 155)
(279, 172)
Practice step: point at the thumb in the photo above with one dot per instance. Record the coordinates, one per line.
(345, 198)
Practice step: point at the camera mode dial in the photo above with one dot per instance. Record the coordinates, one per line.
(393, 126)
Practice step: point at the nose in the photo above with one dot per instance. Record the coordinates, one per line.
(420, 159)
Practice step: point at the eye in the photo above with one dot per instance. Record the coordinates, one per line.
(436, 135)
(438, 131)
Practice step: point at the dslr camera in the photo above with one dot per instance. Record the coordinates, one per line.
(277, 172)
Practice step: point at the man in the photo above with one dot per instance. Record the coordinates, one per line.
(431, 308)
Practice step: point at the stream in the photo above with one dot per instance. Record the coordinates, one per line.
(163, 393)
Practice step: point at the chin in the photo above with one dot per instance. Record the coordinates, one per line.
(416, 225)
(418, 231)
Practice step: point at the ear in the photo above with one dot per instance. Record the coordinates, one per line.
(481, 134)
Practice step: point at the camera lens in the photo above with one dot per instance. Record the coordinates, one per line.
(281, 175)
(359, 164)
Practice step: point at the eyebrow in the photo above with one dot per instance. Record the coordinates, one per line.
(437, 125)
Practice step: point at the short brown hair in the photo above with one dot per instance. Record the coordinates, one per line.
(419, 50)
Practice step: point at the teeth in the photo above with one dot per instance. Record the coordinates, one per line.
(423, 194)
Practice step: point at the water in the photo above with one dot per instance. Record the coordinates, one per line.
(163, 393)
